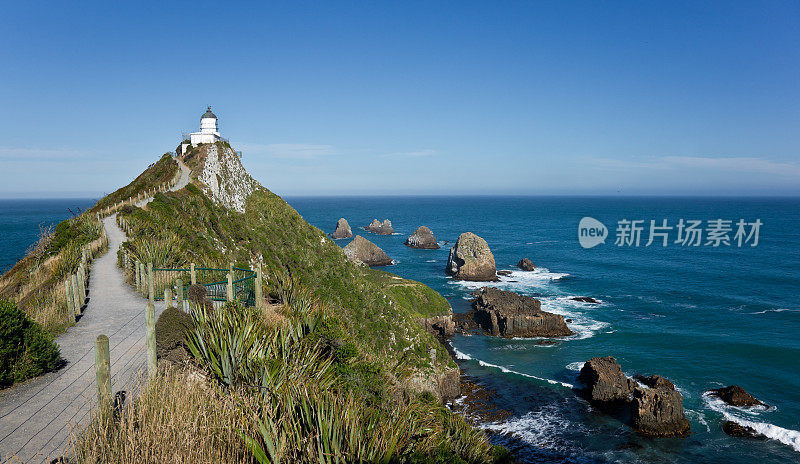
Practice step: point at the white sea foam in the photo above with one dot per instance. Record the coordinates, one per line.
(699, 417)
(541, 428)
(788, 437)
(517, 279)
(431, 261)
(465, 357)
(778, 310)
(576, 366)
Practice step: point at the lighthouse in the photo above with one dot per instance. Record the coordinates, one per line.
(209, 130)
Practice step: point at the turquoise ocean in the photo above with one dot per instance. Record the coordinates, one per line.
(703, 316)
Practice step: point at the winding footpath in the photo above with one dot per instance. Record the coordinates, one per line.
(36, 417)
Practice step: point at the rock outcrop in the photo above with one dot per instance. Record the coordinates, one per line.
(342, 229)
(471, 259)
(585, 299)
(651, 405)
(735, 395)
(361, 250)
(422, 238)
(224, 178)
(526, 264)
(380, 228)
(442, 326)
(736, 430)
(507, 314)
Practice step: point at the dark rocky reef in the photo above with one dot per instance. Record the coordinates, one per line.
(471, 259)
(507, 314)
(422, 238)
(585, 299)
(342, 229)
(736, 430)
(651, 405)
(526, 264)
(735, 395)
(361, 250)
(380, 228)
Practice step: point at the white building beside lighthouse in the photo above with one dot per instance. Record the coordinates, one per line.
(209, 130)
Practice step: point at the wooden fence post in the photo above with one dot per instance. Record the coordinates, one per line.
(258, 289)
(230, 287)
(151, 287)
(150, 338)
(82, 282)
(70, 300)
(102, 366)
(76, 294)
(179, 293)
(167, 298)
(193, 275)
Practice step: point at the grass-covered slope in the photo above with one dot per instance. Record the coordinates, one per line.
(375, 311)
(155, 175)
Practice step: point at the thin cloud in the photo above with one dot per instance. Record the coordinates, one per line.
(290, 150)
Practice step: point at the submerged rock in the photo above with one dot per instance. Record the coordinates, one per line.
(422, 238)
(585, 299)
(380, 228)
(651, 405)
(471, 259)
(504, 273)
(735, 430)
(526, 264)
(361, 250)
(342, 229)
(507, 314)
(735, 395)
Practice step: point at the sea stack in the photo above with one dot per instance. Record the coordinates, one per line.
(471, 259)
(507, 314)
(422, 238)
(342, 229)
(361, 250)
(380, 228)
(651, 405)
(526, 264)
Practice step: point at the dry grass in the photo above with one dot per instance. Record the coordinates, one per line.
(176, 418)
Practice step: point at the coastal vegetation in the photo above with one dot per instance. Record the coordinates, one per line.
(335, 366)
(25, 349)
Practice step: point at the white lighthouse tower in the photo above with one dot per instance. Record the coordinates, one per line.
(209, 131)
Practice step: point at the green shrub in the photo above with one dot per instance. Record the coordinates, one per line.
(25, 349)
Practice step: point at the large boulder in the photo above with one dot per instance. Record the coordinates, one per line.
(737, 430)
(380, 228)
(651, 405)
(507, 314)
(342, 229)
(735, 395)
(605, 384)
(658, 411)
(422, 238)
(526, 264)
(361, 250)
(471, 259)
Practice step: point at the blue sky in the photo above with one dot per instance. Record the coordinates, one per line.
(328, 98)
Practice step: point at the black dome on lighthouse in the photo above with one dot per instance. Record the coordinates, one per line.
(208, 114)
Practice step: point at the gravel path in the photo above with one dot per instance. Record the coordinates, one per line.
(36, 417)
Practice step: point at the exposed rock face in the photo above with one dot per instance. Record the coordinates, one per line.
(225, 179)
(342, 229)
(507, 314)
(443, 326)
(526, 264)
(653, 408)
(735, 430)
(471, 259)
(380, 228)
(606, 385)
(422, 238)
(362, 250)
(735, 395)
